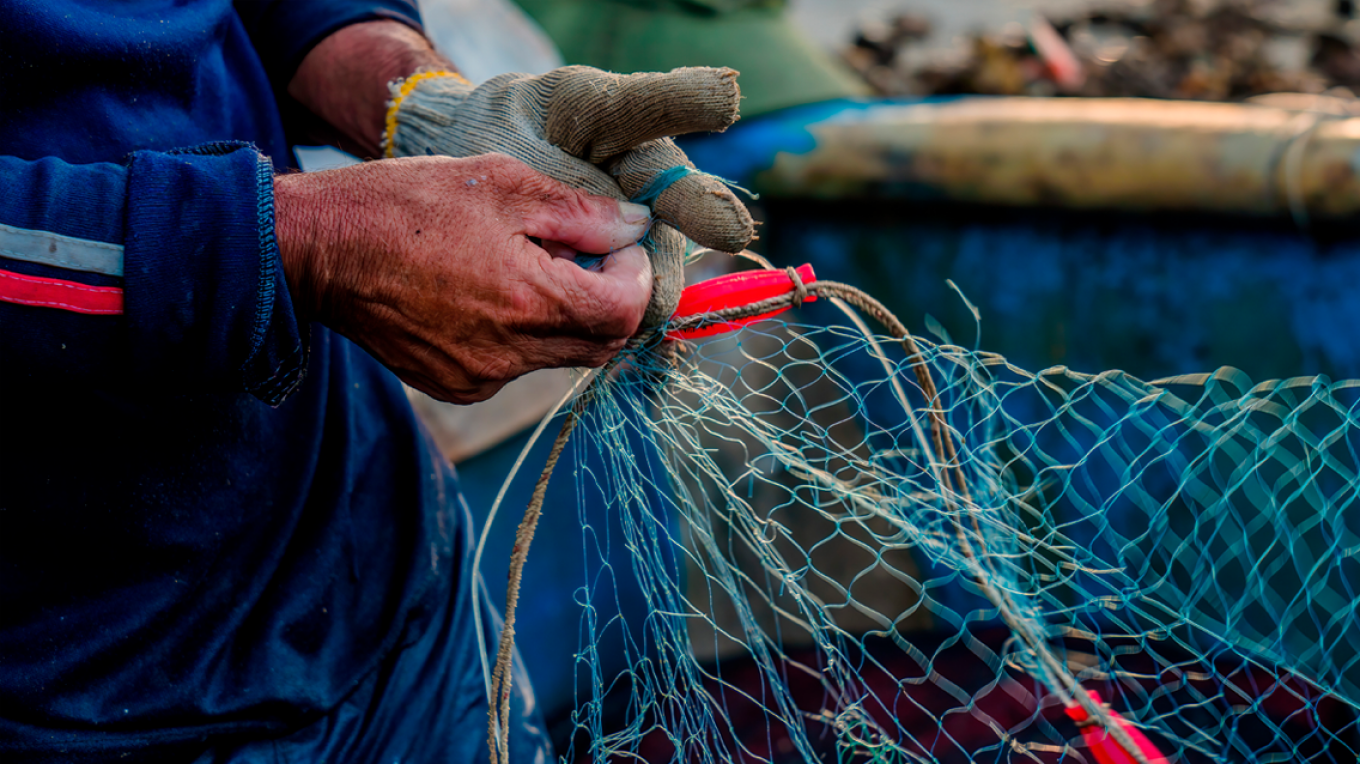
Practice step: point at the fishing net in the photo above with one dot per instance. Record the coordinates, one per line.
(860, 546)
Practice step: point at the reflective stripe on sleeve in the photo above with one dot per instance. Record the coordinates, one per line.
(47, 248)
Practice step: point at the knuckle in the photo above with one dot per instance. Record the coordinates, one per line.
(572, 204)
(622, 325)
(606, 352)
(467, 393)
(537, 187)
(521, 302)
(596, 354)
(611, 349)
(479, 393)
(612, 317)
(494, 369)
(534, 192)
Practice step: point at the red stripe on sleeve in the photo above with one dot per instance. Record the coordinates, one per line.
(63, 295)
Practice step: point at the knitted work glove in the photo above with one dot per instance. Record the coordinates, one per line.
(602, 132)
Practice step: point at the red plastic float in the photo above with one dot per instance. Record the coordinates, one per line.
(733, 291)
(1103, 745)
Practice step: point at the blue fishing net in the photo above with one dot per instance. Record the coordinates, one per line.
(853, 550)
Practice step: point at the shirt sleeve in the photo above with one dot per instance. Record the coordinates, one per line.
(161, 274)
(285, 31)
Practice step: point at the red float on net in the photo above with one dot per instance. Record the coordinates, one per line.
(734, 291)
(1104, 746)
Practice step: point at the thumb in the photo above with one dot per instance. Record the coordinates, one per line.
(607, 303)
(547, 208)
(587, 223)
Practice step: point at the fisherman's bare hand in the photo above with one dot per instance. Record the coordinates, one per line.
(431, 264)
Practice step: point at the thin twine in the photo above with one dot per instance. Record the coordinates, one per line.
(943, 453)
(654, 188)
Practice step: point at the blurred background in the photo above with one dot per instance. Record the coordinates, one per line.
(1156, 48)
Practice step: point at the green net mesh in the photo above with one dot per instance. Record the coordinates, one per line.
(826, 582)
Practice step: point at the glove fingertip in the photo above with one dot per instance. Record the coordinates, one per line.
(707, 212)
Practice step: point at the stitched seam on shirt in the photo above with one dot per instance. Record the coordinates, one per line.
(283, 370)
(291, 370)
(284, 381)
(264, 215)
(213, 149)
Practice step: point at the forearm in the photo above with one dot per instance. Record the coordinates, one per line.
(344, 78)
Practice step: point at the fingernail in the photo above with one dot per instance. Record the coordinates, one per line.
(634, 213)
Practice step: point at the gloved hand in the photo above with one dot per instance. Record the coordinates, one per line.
(601, 132)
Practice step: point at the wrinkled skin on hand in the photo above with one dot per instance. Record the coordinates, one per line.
(434, 266)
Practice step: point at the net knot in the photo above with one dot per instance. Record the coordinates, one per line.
(800, 290)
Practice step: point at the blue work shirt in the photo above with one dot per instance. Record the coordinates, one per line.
(216, 523)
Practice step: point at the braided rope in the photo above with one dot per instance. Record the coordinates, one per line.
(498, 707)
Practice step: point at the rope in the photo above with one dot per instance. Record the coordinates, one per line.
(944, 458)
(498, 706)
(800, 290)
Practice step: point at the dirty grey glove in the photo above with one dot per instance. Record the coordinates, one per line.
(602, 132)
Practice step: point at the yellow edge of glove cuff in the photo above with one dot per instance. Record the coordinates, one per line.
(399, 95)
